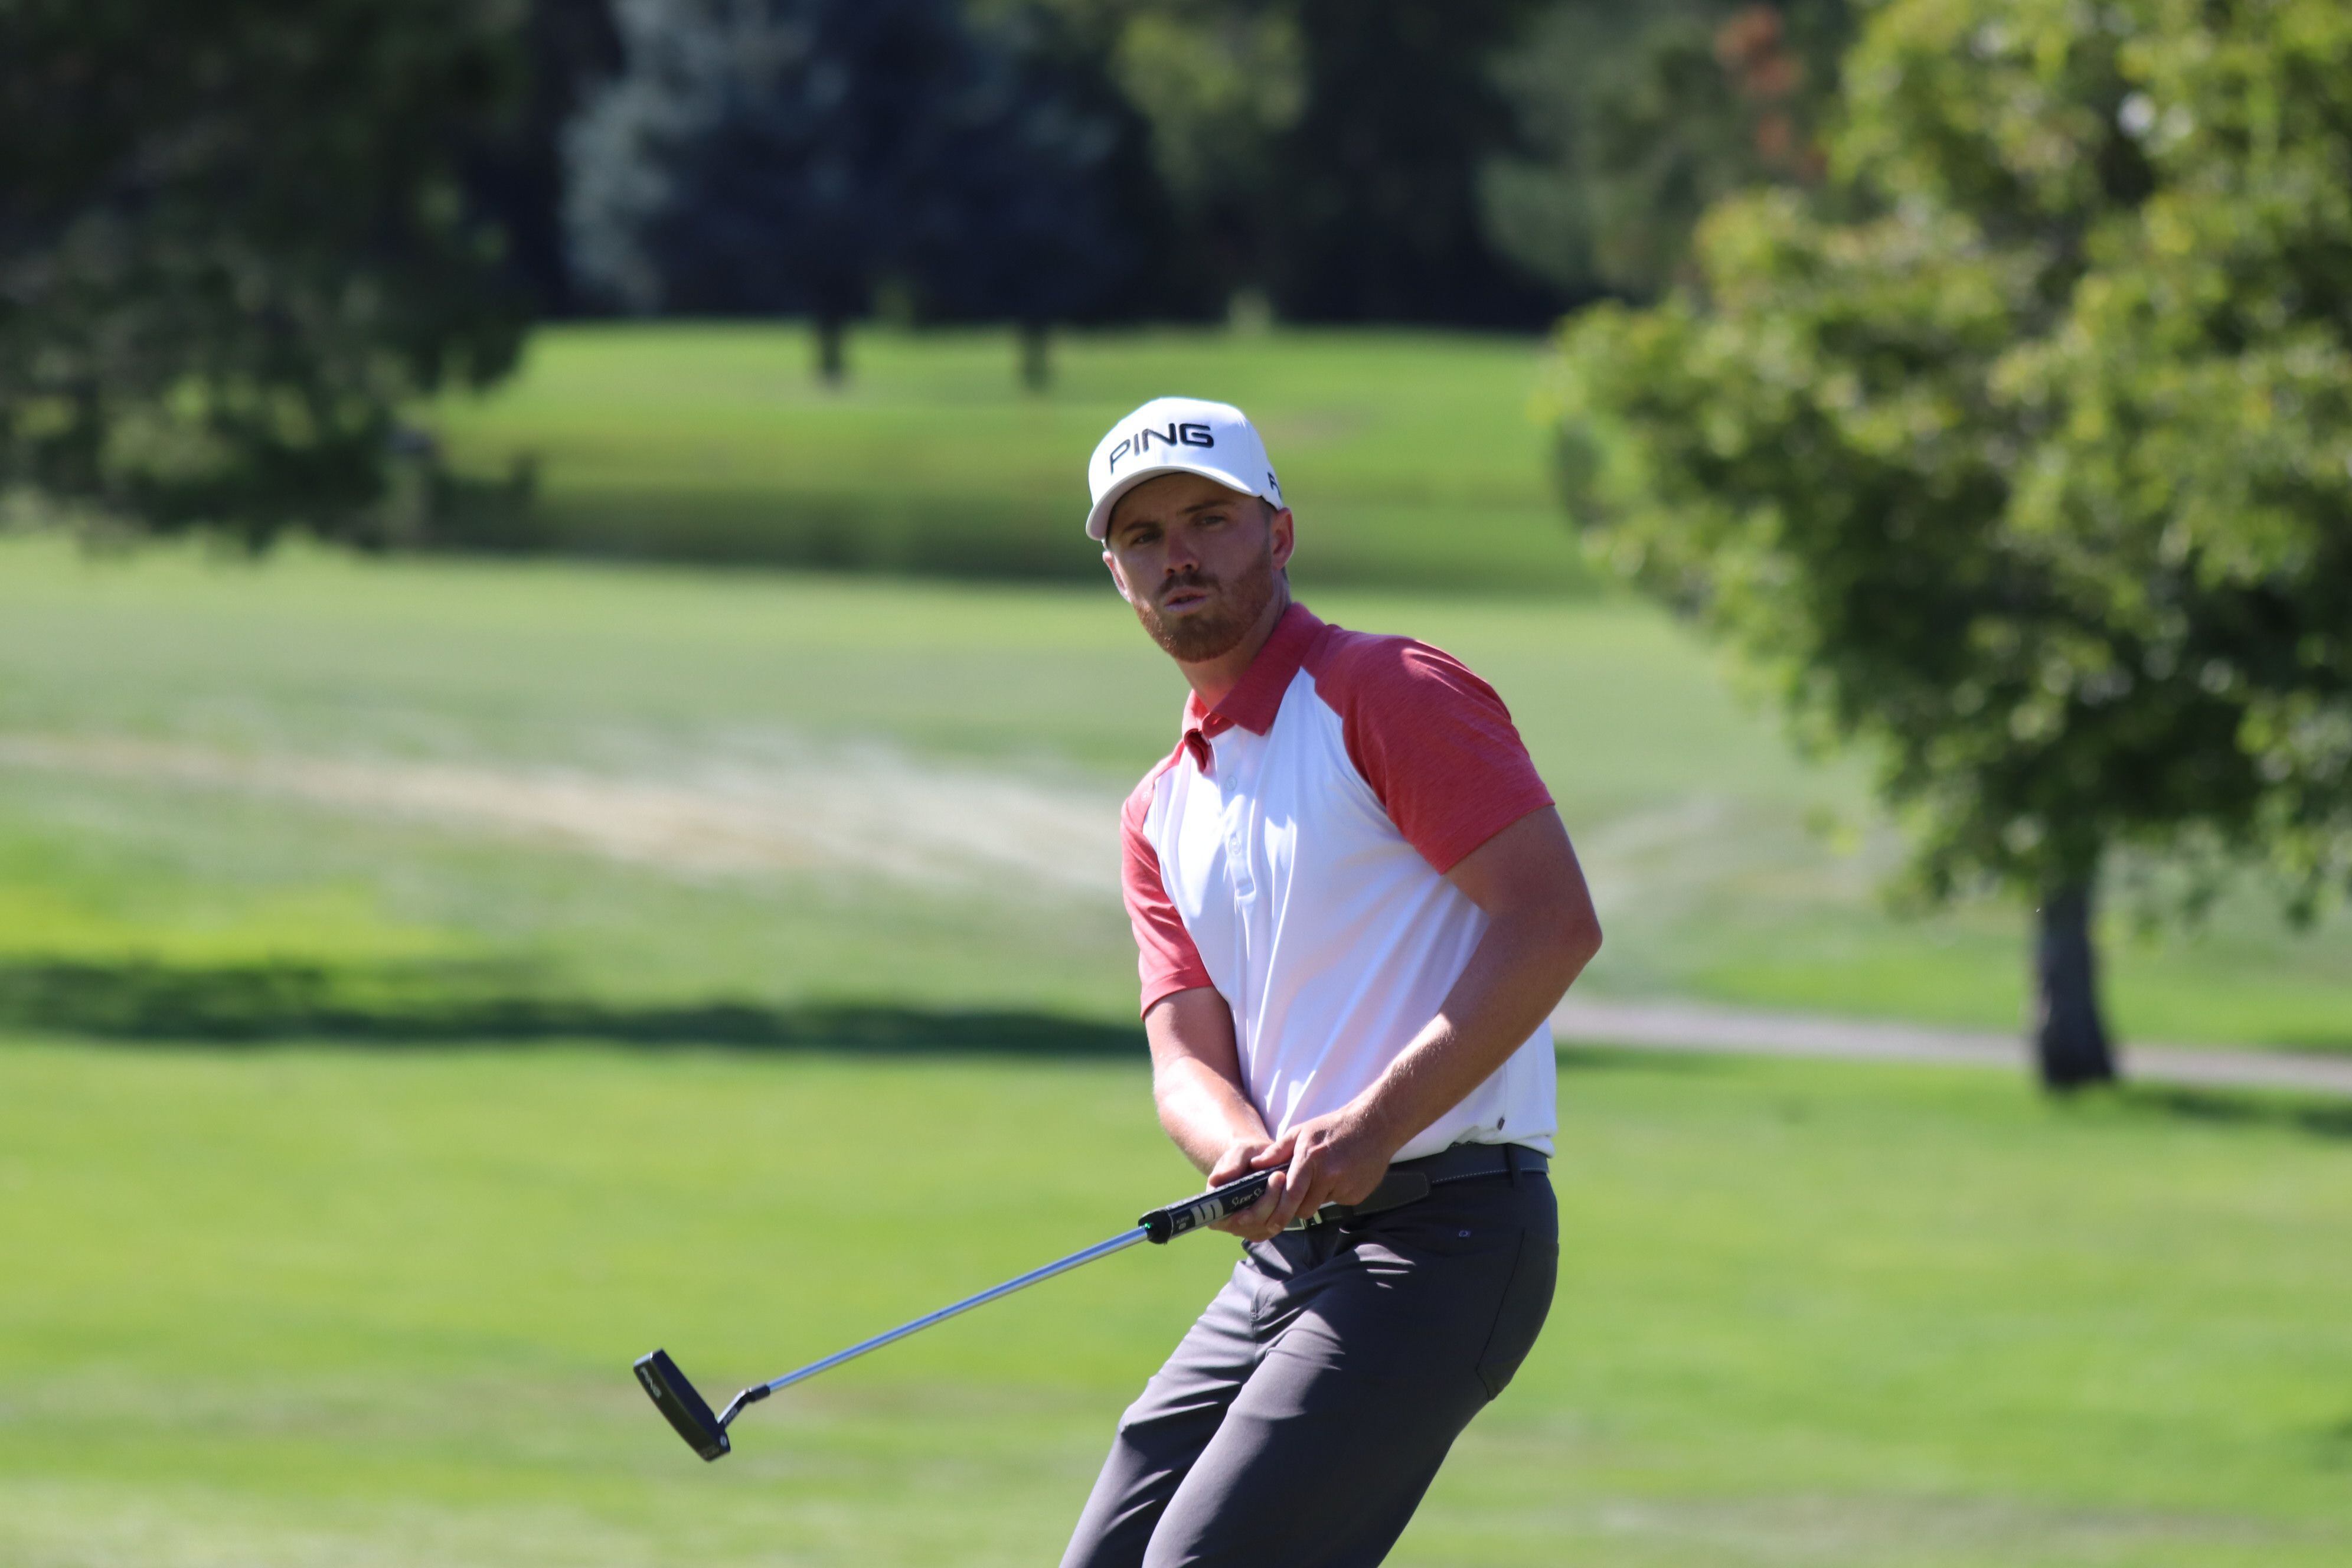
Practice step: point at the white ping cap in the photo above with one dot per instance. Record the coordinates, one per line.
(1177, 435)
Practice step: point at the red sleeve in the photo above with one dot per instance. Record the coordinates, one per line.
(1166, 958)
(1434, 740)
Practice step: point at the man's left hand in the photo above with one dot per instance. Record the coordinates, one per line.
(1336, 1158)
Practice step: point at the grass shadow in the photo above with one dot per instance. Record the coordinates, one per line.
(2240, 1108)
(449, 1004)
(1586, 1056)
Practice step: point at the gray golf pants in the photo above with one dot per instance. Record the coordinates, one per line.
(1303, 1416)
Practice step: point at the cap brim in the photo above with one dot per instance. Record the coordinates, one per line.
(1099, 519)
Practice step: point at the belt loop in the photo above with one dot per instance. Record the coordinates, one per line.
(1511, 1163)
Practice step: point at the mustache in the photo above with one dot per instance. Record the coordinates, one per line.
(1188, 579)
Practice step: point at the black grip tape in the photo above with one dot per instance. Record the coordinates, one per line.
(1164, 1224)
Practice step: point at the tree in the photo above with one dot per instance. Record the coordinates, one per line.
(795, 156)
(1219, 86)
(1377, 192)
(234, 241)
(2024, 454)
(1028, 226)
(569, 47)
(1634, 119)
(1321, 156)
(766, 156)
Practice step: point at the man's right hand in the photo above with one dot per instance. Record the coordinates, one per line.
(1256, 1223)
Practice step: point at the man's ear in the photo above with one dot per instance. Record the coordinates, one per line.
(1281, 525)
(1118, 579)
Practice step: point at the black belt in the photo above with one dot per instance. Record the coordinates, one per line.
(1410, 1181)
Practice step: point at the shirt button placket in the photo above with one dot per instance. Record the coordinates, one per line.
(1241, 764)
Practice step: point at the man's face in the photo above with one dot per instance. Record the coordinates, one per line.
(1197, 561)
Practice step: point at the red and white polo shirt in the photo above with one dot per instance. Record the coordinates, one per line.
(1291, 852)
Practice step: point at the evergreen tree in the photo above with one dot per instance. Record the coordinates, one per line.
(797, 156)
(570, 48)
(1027, 227)
(1377, 195)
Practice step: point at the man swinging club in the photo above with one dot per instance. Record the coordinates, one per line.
(1355, 909)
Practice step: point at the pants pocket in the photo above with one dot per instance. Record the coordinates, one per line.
(1526, 1301)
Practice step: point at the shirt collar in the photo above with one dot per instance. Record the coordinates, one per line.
(1257, 696)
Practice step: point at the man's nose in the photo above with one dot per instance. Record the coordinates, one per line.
(1182, 555)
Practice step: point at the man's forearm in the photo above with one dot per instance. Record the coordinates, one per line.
(1203, 1112)
(1196, 1076)
(1516, 976)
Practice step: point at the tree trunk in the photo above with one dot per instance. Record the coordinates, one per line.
(832, 350)
(2070, 1038)
(1036, 365)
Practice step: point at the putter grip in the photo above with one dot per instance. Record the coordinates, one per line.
(1162, 1224)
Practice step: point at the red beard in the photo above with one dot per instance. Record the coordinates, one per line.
(1217, 626)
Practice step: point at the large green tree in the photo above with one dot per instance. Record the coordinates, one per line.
(235, 238)
(2023, 452)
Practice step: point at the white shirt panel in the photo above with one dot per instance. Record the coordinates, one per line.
(1335, 945)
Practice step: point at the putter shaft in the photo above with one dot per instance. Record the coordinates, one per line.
(758, 1391)
(676, 1398)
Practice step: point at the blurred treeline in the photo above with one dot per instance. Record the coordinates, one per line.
(237, 240)
(1478, 163)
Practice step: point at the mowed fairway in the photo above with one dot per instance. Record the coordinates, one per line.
(369, 934)
(311, 1307)
(441, 797)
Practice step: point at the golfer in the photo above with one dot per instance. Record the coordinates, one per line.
(1355, 909)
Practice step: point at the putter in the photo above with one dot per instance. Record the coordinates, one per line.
(706, 1433)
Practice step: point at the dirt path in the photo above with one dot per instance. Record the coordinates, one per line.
(1695, 1027)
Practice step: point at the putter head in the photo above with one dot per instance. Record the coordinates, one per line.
(688, 1411)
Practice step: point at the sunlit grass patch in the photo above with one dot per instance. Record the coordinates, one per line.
(304, 1306)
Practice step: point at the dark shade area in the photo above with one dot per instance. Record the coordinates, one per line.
(459, 1004)
(516, 174)
(1160, 271)
(1379, 181)
(1576, 1056)
(2229, 1108)
(830, 158)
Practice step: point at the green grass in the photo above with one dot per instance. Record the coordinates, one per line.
(1690, 812)
(1412, 458)
(299, 1306)
(364, 1293)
